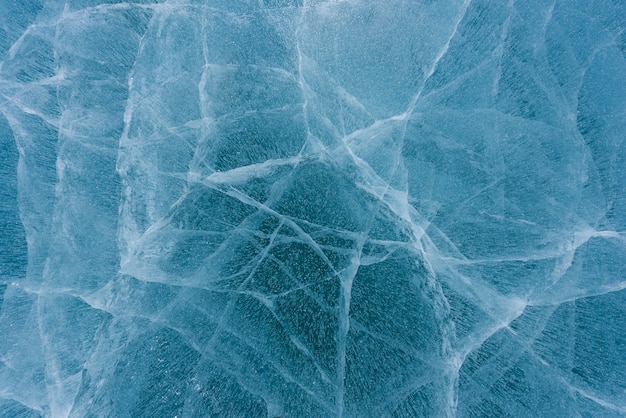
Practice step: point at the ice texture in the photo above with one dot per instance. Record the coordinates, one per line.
(313, 208)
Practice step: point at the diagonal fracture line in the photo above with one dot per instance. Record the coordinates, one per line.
(444, 50)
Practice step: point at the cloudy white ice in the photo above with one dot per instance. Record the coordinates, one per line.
(305, 208)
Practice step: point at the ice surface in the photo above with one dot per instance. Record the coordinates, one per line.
(307, 208)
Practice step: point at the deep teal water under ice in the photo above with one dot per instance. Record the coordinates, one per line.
(350, 208)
